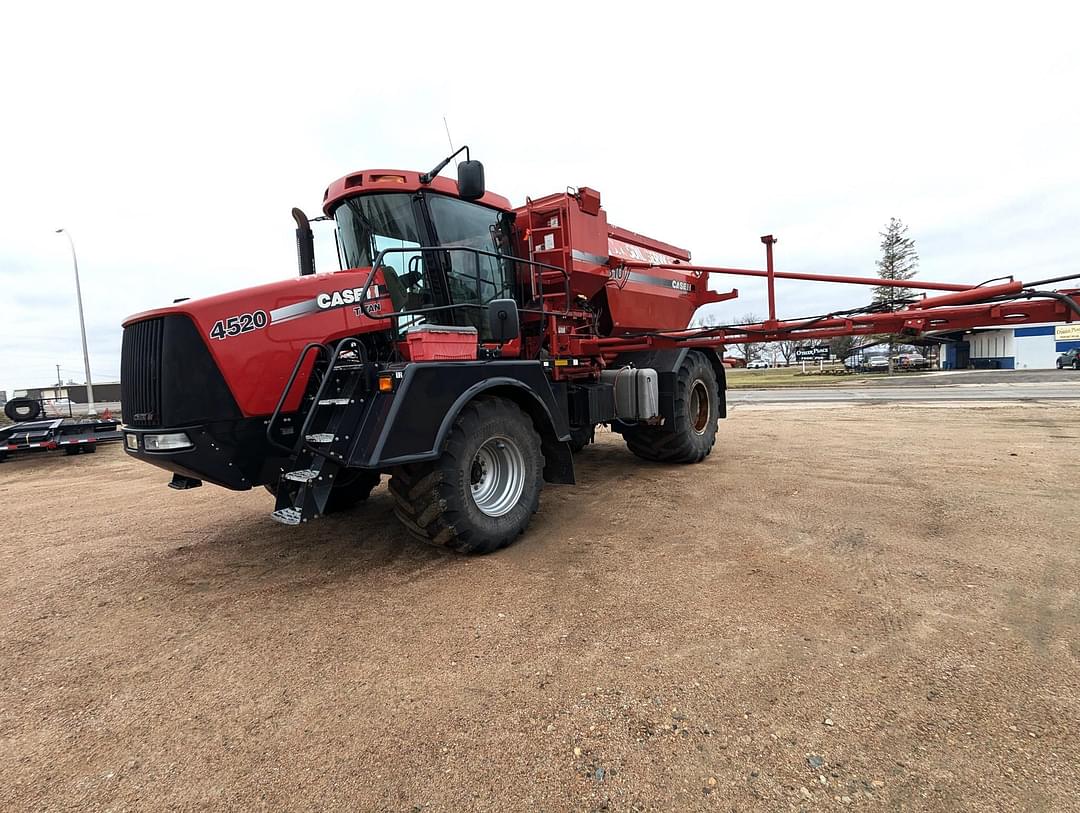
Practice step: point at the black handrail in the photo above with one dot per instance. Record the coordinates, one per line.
(322, 386)
(533, 264)
(285, 394)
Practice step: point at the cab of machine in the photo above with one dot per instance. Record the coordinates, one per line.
(442, 257)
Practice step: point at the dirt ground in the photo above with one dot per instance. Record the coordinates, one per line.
(843, 607)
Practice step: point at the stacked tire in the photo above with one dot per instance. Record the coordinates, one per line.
(22, 409)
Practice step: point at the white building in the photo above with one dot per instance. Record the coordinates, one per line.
(1031, 347)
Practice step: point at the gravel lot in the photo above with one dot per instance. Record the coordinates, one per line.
(844, 607)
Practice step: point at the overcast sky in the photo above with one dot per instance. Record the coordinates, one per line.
(173, 143)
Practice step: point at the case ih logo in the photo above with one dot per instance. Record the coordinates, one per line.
(339, 299)
(330, 301)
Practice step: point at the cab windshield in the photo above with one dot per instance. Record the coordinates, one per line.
(369, 224)
(417, 279)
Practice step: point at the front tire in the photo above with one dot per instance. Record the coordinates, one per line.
(691, 435)
(353, 486)
(481, 493)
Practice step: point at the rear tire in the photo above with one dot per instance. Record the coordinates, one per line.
(22, 409)
(1076, 364)
(480, 495)
(580, 437)
(690, 436)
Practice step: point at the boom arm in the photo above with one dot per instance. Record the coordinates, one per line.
(960, 307)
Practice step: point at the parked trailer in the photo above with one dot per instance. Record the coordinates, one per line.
(469, 349)
(73, 436)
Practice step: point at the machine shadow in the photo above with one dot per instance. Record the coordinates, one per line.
(365, 546)
(252, 552)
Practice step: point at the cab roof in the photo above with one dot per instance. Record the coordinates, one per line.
(397, 180)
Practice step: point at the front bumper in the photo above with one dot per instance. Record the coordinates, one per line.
(214, 455)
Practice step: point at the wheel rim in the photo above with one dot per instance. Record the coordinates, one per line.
(497, 476)
(699, 407)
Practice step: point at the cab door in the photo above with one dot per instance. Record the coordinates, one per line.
(472, 279)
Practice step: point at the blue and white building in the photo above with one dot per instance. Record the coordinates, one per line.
(1031, 347)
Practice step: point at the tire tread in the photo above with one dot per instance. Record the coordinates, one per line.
(424, 495)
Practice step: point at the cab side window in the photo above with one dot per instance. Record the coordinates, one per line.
(475, 279)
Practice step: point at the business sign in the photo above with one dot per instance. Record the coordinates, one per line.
(816, 353)
(1067, 333)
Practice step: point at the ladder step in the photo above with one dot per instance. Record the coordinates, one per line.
(334, 402)
(320, 437)
(302, 475)
(287, 516)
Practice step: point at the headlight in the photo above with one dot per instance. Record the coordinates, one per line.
(172, 442)
(132, 442)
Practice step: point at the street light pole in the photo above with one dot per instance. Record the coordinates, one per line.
(82, 324)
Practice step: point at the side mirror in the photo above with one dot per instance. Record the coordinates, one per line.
(470, 180)
(503, 320)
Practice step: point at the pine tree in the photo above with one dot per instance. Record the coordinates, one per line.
(899, 261)
(842, 346)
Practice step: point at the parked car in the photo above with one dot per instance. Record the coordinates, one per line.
(1070, 358)
(60, 407)
(877, 363)
(911, 361)
(758, 364)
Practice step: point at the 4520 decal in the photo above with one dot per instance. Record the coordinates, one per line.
(235, 325)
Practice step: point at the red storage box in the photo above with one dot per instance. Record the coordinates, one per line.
(441, 342)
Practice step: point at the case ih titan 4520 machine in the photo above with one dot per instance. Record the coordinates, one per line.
(468, 349)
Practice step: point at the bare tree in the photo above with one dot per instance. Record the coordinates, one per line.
(787, 349)
(750, 350)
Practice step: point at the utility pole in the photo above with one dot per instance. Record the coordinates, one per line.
(59, 382)
(82, 325)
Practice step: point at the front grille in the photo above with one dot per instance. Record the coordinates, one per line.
(140, 373)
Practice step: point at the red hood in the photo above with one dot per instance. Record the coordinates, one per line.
(256, 334)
